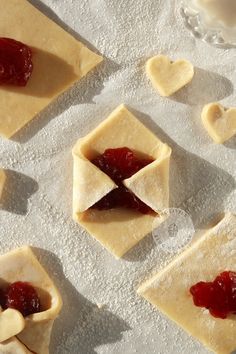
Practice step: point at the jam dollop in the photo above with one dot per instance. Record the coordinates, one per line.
(20, 296)
(15, 62)
(219, 296)
(119, 164)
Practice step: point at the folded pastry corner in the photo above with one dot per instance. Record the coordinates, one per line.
(169, 290)
(32, 331)
(156, 175)
(13, 346)
(119, 229)
(89, 183)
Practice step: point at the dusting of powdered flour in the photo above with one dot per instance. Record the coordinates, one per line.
(102, 312)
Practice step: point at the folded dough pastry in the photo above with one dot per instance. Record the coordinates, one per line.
(120, 229)
(169, 291)
(13, 346)
(59, 60)
(32, 332)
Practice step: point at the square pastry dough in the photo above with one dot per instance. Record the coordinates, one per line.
(35, 331)
(59, 60)
(119, 229)
(210, 255)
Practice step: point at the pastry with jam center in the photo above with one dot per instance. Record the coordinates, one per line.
(29, 303)
(120, 182)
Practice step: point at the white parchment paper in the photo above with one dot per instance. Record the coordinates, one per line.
(102, 312)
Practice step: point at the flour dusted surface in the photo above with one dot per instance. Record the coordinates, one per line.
(202, 180)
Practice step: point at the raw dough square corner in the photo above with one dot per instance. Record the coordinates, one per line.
(118, 230)
(210, 255)
(59, 61)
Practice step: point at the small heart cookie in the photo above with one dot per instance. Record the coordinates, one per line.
(169, 77)
(11, 323)
(219, 122)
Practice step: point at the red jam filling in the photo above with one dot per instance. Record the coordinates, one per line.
(15, 62)
(20, 296)
(119, 164)
(219, 296)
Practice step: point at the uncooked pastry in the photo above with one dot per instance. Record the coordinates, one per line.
(119, 229)
(210, 255)
(11, 323)
(22, 265)
(2, 182)
(169, 77)
(59, 60)
(13, 346)
(219, 122)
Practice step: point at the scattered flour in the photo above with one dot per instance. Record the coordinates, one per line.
(126, 32)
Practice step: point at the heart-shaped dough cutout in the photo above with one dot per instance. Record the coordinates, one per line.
(168, 77)
(219, 122)
(11, 323)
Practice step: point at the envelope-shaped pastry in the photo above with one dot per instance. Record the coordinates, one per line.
(2, 182)
(59, 60)
(169, 290)
(119, 229)
(32, 332)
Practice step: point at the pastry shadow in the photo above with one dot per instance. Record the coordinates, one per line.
(231, 143)
(18, 188)
(196, 186)
(50, 75)
(206, 87)
(82, 92)
(141, 250)
(80, 321)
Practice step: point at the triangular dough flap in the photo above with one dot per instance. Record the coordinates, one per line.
(89, 183)
(151, 184)
(13, 346)
(36, 336)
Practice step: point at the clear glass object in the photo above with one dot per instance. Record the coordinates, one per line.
(213, 21)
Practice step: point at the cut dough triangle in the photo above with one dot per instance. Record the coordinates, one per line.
(89, 183)
(119, 229)
(59, 61)
(151, 184)
(22, 265)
